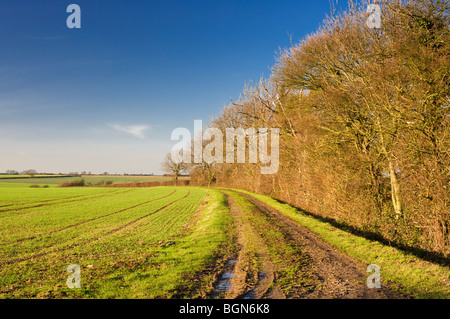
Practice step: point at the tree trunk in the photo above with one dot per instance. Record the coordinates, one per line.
(376, 187)
(395, 191)
(209, 180)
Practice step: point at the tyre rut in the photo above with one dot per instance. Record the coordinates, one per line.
(337, 275)
(236, 276)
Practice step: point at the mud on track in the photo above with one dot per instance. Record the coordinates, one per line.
(240, 279)
(329, 274)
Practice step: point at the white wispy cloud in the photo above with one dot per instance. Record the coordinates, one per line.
(134, 130)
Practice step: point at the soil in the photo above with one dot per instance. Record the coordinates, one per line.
(241, 283)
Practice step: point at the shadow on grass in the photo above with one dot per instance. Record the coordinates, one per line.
(421, 253)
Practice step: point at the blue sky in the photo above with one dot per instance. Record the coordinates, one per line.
(106, 97)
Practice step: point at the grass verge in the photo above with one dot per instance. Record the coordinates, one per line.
(209, 241)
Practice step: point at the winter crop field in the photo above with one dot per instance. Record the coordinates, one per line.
(127, 242)
(174, 242)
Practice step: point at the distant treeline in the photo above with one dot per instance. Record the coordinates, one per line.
(31, 176)
(364, 125)
(82, 183)
(151, 184)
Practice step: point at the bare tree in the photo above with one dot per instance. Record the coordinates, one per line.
(364, 123)
(30, 172)
(175, 165)
(204, 173)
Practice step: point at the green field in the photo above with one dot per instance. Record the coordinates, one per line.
(2, 176)
(52, 181)
(128, 242)
(175, 242)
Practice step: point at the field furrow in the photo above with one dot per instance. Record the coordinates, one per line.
(85, 221)
(51, 202)
(70, 237)
(134, 249)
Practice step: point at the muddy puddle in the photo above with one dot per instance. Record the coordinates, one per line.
(223, 285)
